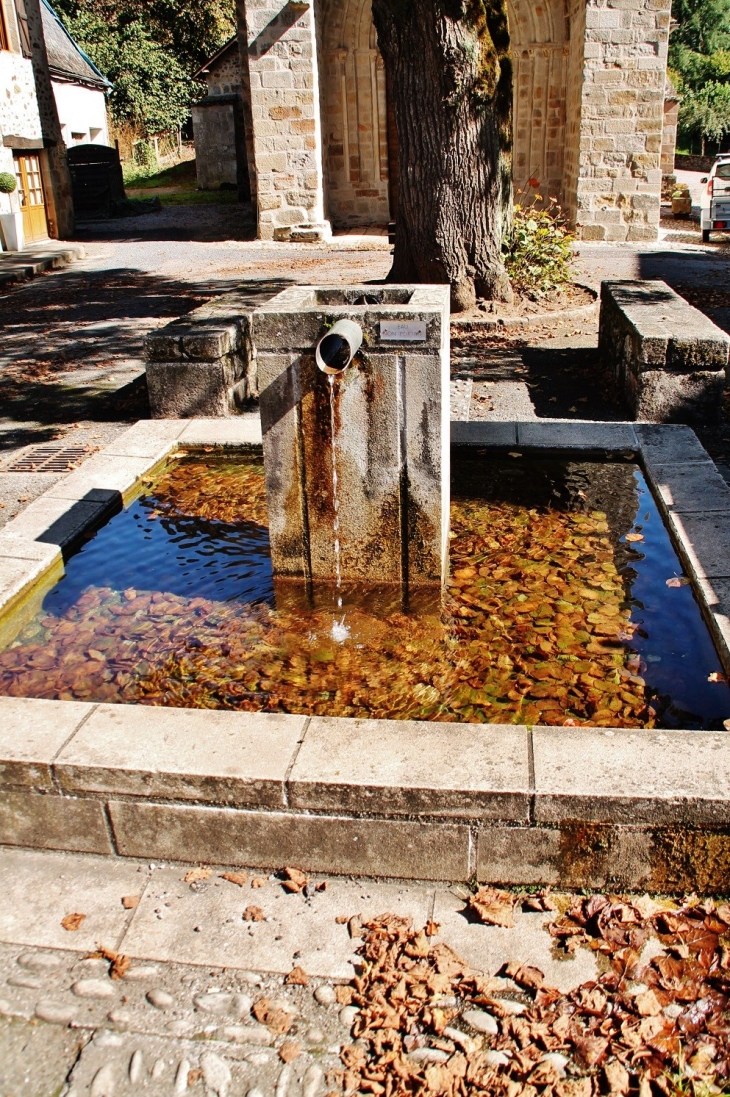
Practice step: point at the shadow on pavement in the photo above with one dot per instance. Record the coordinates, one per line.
(203, 223)
(571, 383)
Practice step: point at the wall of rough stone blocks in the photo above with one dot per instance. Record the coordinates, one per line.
(618, 186)
(286, 140)
(669, 135)
(18, 104)
(224, 77)
(214, 128)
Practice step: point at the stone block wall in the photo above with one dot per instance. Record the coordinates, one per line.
(669, 135)
(214, 127)
(285, 139)
(620, 103)
(19, 115)
(224, 77)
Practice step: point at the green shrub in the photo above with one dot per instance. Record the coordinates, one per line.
(8, 182)
(144, 158)
(538, 247)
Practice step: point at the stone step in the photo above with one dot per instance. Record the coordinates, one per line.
(17, 266)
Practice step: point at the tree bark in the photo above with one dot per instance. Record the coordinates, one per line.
(450, 74)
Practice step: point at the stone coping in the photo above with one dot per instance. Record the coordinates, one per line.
(541, 805)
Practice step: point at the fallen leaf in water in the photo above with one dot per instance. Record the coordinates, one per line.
(717, 676)
(72, 921)
(514, 454)
(631, 537)
(297, 977)
(130, 902)
(494, 908)
(196, 874)
(253, 914)
(238, 878)
(295, 880)
(289, 1051)
(678, 581)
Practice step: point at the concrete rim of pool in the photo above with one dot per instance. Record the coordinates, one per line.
(581, 807)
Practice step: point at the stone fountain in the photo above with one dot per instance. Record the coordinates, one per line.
(354, 390)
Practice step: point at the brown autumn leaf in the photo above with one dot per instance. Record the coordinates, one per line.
(118, 964)
(678, 581)
(647, 1004)
(295, 880)
(342, 919)
(130, 902)
(258, 882)
(617, 1078)
(297, 977)
(590, 1049)
(344, 994)
(194, 1076)
(632, 537)
(253, 914)
(238, 878)
(278, 1021)
(524, 975)
(289, 1051)
(197, 874)
(494, 907)
(72, 922)
(431, 929)
(322, 885)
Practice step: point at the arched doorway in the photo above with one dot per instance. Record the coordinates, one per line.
(354, 115)
(358, 136)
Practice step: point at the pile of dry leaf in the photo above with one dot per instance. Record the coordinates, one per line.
(654, 1022)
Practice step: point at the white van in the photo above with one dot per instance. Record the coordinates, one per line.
(715, 212)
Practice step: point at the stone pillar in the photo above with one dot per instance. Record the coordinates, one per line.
(617, 192)
(57, 178)
(280, 56)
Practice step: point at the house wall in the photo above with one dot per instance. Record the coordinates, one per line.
(214, 131)
(224, 78)
(81, 111)
(19, 115)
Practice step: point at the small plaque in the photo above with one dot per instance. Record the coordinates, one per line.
(403, 331)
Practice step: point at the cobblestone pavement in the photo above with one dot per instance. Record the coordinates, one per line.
(203, 952)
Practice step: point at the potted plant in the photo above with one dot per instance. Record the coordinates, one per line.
(11, 222)
(681, 201)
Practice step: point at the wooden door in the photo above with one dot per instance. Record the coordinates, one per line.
(31, 198)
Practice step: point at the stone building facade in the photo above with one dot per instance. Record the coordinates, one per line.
(218, 126)
(589, 113)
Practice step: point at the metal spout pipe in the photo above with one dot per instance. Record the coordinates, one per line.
(338, 347)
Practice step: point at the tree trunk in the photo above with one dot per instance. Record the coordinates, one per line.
(450, 75)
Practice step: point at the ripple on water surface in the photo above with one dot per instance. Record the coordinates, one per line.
(558, 609)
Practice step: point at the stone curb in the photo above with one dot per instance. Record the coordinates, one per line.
(579, 806)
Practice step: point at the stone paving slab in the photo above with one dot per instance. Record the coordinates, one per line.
(32, 732)
(704, 543)
(577, 435)
(205, 925)
(184, 754)
(691, 488)
(484, 434)
(404, 767)
(624, 776)
(41, 888)
(669, 444)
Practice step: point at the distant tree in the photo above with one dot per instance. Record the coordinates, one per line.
(702, 26)
(705, 114)
(149, 49)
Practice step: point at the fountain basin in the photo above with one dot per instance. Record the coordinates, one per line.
(577, 806)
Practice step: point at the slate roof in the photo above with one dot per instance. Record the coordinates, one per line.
(66, 60)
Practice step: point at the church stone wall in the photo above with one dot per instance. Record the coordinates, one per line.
(620, 102)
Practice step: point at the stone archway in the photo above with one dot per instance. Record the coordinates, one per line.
(354, 115)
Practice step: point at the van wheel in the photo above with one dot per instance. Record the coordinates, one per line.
(705, 236)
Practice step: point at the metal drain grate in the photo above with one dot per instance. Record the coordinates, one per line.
(50, 458)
